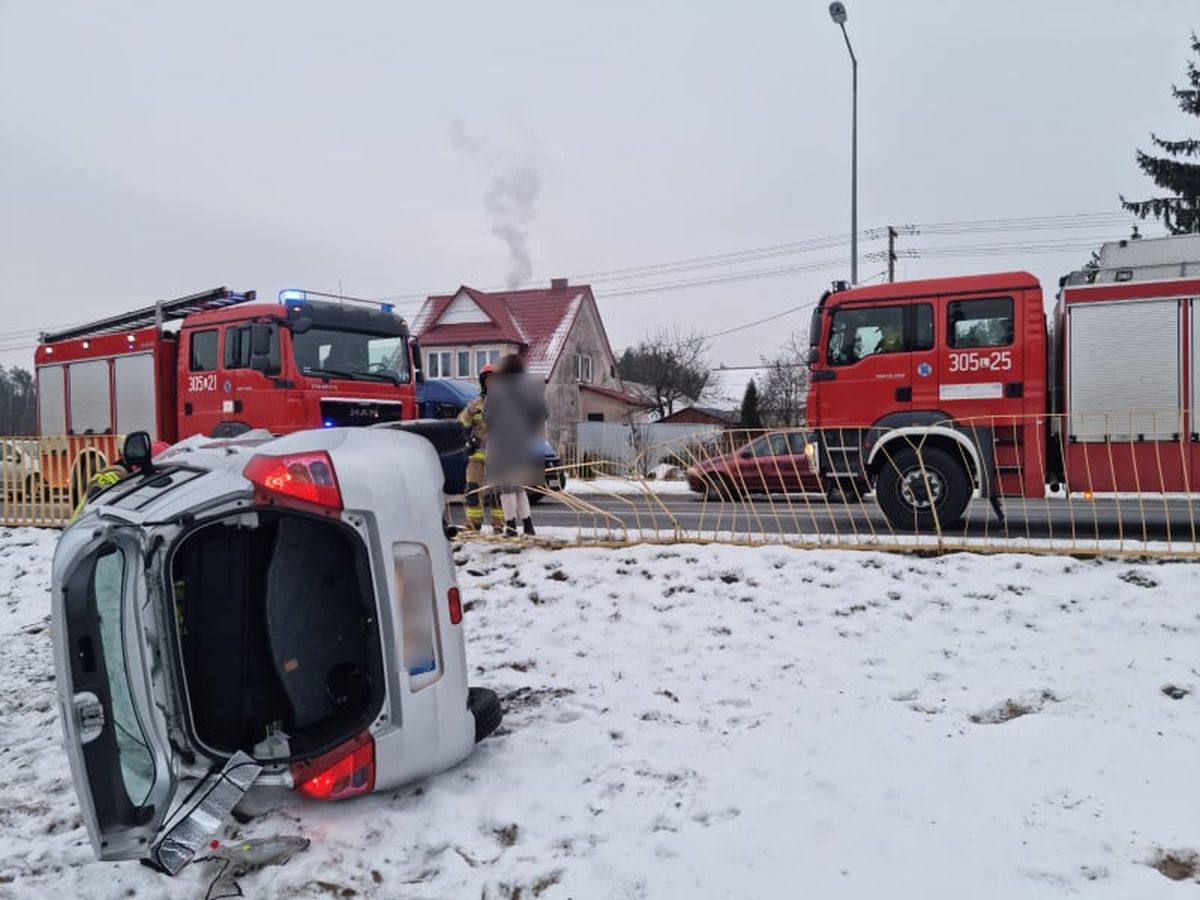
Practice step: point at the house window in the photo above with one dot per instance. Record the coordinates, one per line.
(493, 357)
(464, 363)
(595, 417)
(481, 360)
(583, 368)
(439, 364)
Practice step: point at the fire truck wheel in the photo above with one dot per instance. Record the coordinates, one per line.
(924, 491)
(484, 705)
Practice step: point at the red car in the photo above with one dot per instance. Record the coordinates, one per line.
(775, 463)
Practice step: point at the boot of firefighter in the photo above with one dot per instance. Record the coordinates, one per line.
(510, 528)
(527, 526)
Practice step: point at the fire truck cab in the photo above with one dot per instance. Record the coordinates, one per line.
(218, 363)
(936, 391)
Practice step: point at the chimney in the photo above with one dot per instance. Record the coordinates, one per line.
(557, 284)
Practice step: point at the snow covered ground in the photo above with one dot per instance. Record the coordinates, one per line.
(711, 721)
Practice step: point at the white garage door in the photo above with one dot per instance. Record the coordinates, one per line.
(134, 379)
(91, 401)
(52, 401)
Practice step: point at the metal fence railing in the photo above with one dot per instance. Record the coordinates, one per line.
(43, 479)
(1118, 482)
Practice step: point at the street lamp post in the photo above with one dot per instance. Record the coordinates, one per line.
(837, 12)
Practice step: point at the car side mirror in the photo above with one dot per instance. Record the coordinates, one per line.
(814, 356)
(301, 324)
(138, 451)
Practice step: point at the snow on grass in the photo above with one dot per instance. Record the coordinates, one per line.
(715, 721)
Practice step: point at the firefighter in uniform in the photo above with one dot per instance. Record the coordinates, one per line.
(478, 496)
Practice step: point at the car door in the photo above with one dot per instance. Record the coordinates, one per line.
(796, 475)
(115, 735)
(758, 464)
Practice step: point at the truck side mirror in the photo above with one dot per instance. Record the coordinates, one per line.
(261, 357)
(302, 324)
(137, 451)
(418, 369)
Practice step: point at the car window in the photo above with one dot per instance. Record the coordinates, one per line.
(980, 323)
(778, 444)
(135, 760)
(797, 441)
(760, 447)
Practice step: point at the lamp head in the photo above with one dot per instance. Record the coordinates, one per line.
(837, 12)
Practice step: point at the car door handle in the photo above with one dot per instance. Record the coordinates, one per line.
(89, 716)
(904, 394)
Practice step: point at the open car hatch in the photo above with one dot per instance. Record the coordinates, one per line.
(121, 759)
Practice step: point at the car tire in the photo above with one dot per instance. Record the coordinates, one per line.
(446, 435)
(901, 490)
(484, 705)
(842, 492)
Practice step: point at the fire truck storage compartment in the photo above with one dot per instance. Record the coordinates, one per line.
(133, 384)
(1123, 371)
(51, 395)
(1124, 404)
(277, 631)
(91, 397)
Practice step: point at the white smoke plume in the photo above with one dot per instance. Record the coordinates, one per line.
(510, 199)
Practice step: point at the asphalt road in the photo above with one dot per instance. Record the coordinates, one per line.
(1083, 521)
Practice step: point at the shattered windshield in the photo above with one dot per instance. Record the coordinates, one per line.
(360, 355)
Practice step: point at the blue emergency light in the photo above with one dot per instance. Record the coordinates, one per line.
(291, 294)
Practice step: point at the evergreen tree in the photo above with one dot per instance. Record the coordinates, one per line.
(1180, 212)
(750, 417)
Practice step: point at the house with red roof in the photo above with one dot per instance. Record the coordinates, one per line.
(557, 330)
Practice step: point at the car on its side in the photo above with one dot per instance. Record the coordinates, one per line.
(258, 611)
(778, 462)
(445, 398)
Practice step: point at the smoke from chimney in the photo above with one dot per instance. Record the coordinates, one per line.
(510, 199)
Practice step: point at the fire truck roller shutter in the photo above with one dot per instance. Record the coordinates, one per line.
(1123, 371)
(133, 377)
(91, 397)
(52, 401)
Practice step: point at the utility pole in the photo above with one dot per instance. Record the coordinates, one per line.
(891, 253)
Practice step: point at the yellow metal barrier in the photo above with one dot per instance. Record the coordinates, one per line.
(43, 479)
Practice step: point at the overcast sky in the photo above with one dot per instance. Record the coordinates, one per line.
(151, 149)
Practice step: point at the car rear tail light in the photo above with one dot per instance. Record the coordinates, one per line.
(455, 601)
(346, 771)
(303, 477)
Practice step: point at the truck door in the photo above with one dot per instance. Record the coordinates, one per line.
(867, 356)
(249, 397)
(923, 364)
(199, 397)
(981, 380)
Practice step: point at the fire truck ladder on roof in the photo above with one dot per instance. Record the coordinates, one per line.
(162, 311)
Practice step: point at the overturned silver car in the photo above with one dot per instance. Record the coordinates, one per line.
(259, 610)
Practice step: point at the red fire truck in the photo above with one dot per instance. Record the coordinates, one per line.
(940, 390)
(217, 363)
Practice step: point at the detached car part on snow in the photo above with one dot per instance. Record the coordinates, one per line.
(280, 611)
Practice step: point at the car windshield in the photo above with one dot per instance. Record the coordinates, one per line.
(134, 757)
(352, 354)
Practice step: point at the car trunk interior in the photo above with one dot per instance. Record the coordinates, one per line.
(277, 633)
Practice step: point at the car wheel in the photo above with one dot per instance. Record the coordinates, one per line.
(484, 705)
(842, 491)
(927, 491)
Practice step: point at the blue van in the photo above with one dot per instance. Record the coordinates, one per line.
(445, 398)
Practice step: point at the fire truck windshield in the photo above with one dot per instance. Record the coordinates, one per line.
(341, 353)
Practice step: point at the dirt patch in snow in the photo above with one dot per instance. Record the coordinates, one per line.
(1178, 865)
(1013, 709)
